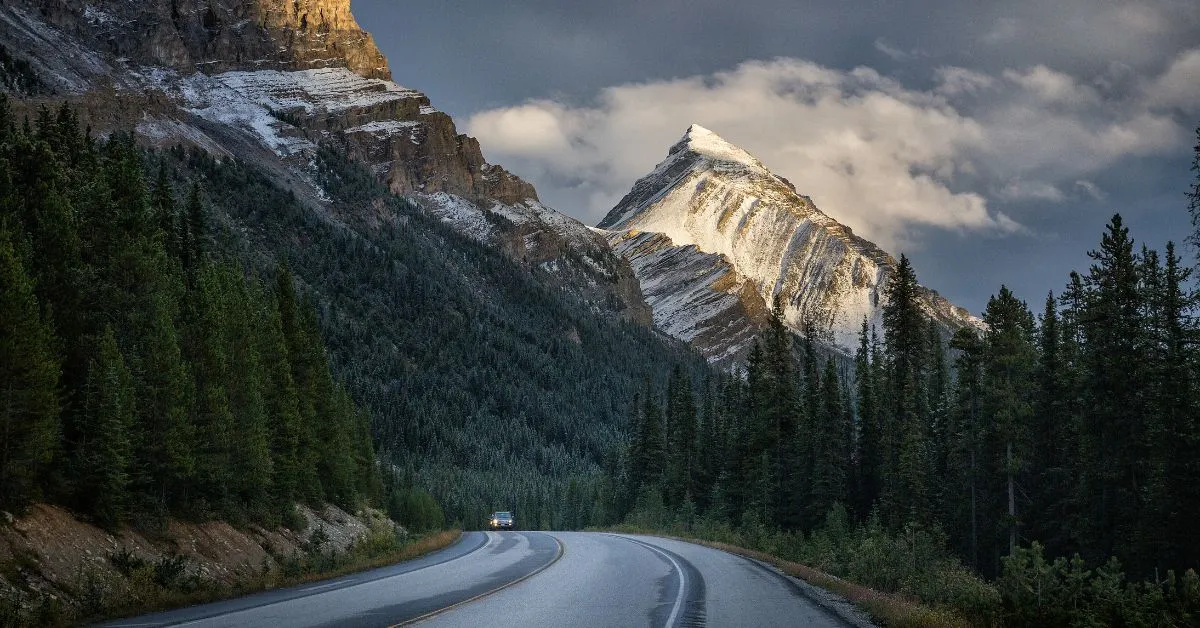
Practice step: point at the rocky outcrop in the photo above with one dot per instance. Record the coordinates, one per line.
(213, 37)
(716, 198)
(422, 153)
(694, 296)
(563, 252)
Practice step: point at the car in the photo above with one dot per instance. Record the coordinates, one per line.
(502, 520)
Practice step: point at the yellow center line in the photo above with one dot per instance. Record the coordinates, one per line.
(557, 555)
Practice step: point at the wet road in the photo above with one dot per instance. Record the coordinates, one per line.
(531, 579)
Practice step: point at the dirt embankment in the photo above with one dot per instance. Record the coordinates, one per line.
(52, 562)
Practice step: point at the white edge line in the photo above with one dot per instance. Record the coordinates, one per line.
(682, 576)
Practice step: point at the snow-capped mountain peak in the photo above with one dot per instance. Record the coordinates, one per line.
(702, 141)
(711, 198)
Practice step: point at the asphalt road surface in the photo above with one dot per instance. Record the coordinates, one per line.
(512, 579)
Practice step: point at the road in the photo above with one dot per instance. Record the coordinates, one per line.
(574, 579)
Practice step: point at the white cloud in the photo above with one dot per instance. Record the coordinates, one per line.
(1179, 86)
(1091, 189)
(895, 53)
(876, 155)
(1053, 87)
(954, 81)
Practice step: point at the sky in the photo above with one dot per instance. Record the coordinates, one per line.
(989, 141)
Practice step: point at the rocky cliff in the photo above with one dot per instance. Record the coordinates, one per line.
(214, 37)
(730, 235)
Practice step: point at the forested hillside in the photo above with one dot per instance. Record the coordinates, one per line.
(486, 387)
(482, 385)
(145, 373)
(1070, 433)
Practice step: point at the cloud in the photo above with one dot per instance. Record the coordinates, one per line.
(895, 53)
(1179, 86)
(954, 81)
(886, 159)
(1018, 190)
(1091, 189)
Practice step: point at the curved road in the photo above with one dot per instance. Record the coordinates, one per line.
(531, 579)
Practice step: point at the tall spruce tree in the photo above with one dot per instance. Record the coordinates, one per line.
(905, 494)
(1113, 437)
(30, 428)
(103, 454)
(1009, 359)
(868, 436)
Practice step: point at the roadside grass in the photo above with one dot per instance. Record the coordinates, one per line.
(889, 609)
(145, 587)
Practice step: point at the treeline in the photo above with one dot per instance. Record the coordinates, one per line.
(1077, 428)
(143, 373)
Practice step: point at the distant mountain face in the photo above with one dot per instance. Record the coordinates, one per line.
(714, 237)
(270, 81)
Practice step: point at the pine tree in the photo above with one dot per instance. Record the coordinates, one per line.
(1176, 503)
(905, 495)
(103, 454)
(279, 395)
(1193, 194)
(1009, 359)
(162, 204)
(963, 479)
(165, 439)
(648, 450)
(867, 441)
(1112, 434)
(29, 408)
(831, 445)
(1052, 437)
(680, 438)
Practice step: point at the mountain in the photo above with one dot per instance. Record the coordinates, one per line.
(496, 342)
(714, 237)
(271, 81)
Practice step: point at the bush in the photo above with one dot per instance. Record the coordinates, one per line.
(126, 561)
(416, 509)
(1039, 592)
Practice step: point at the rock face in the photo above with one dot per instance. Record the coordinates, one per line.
(695, 296)
(212, 37)
(760, 239)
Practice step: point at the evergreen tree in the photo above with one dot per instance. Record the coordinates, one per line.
(1008, 366)
(647, 453)
(868, 437)
(1193, 194)
(165, 441)
(906, 492)
(831, 445)
(680, 438)
(1112, 435)
(963, 479)
(29, 371)
(103, 453)
(1052, 436)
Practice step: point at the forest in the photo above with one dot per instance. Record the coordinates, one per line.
(473, 381)
(146, 373)
(1052, 454)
